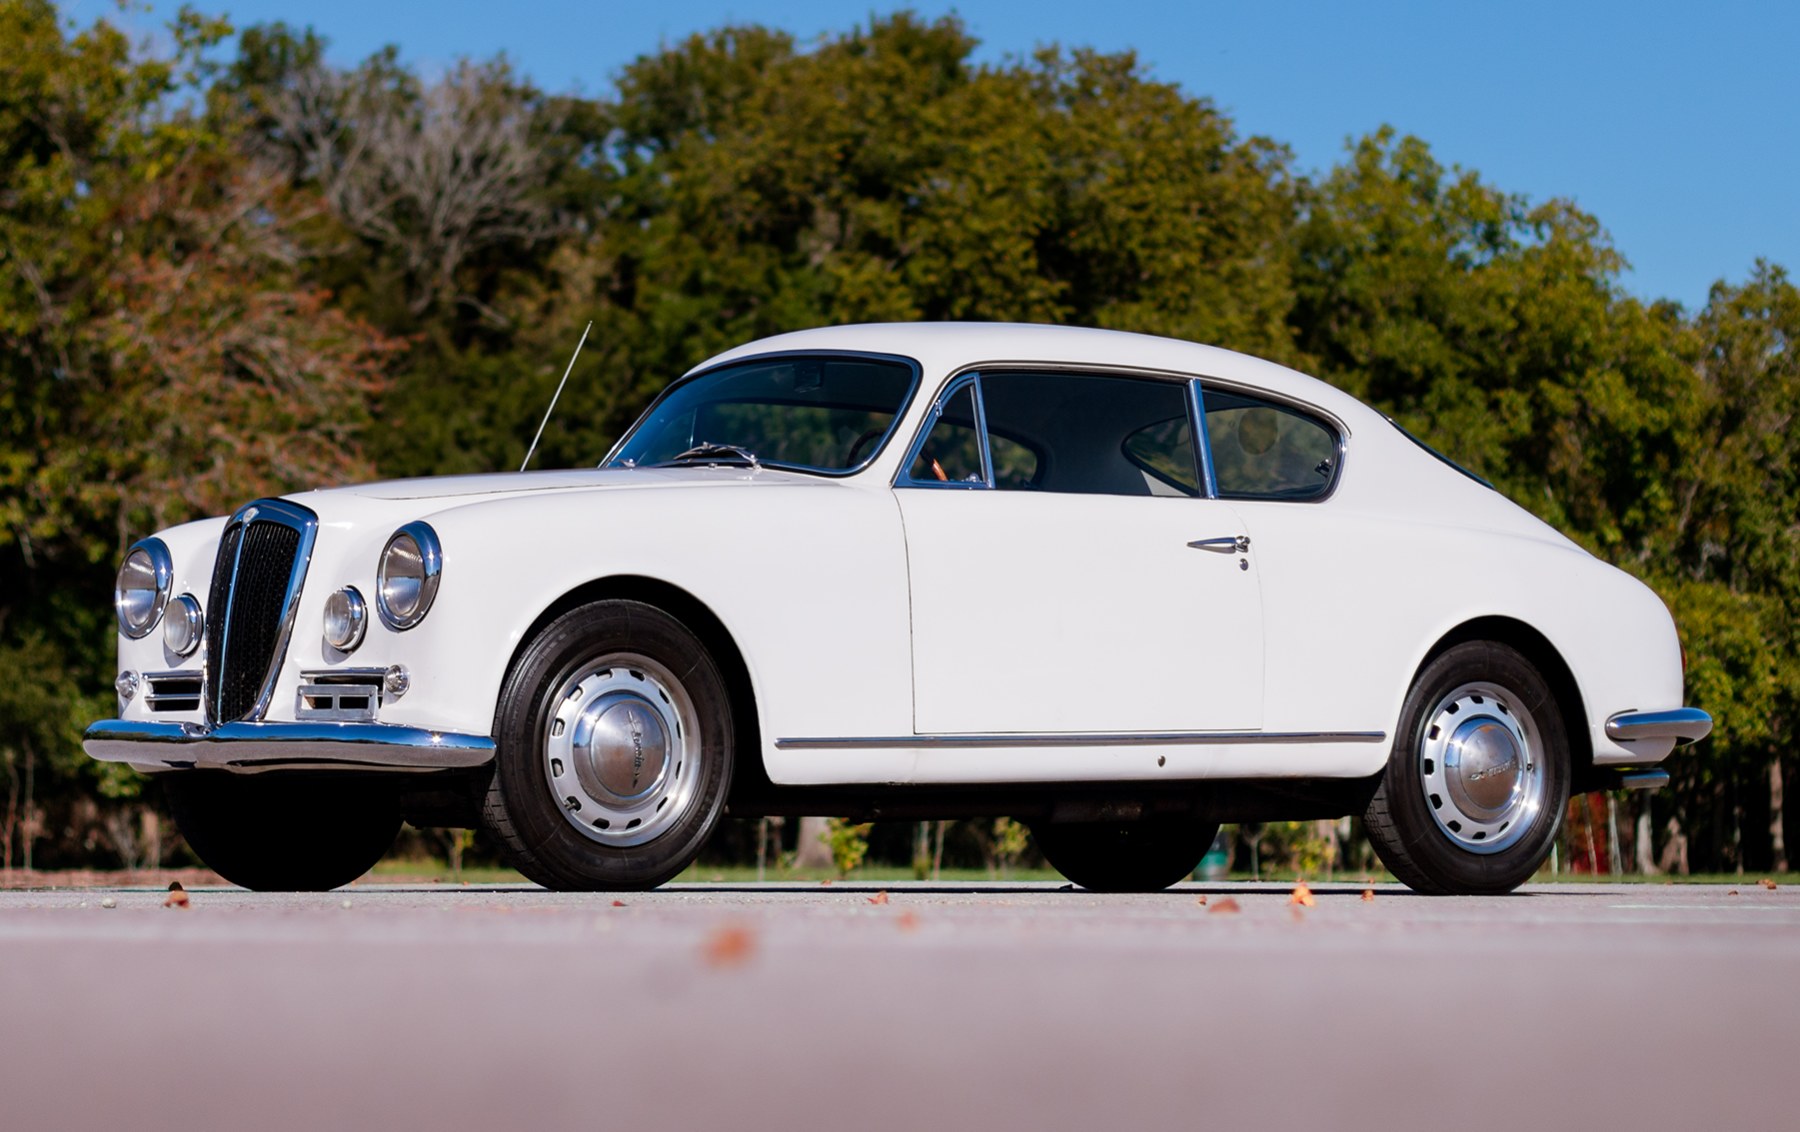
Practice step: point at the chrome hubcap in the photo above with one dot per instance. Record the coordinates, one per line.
(1481, 767)
(618, 750)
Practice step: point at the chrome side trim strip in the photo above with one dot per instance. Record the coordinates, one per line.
(244, 746)
(1079, 739)
(1685, 724)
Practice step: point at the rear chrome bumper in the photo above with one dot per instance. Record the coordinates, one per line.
(250, 747)
(1684, 725)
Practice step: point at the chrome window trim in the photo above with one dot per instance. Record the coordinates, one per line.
(970, 379)
(1197, 415)
(1076, 739)
(162, 564)
(431, 560)
(906, 403)
(306, 522)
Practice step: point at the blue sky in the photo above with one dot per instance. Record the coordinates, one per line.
(1677, 124)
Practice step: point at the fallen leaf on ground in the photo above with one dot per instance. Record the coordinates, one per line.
(879, 898)
(1768, 884)
(824, 884)
(618, 904)
(1225, 905)
(177, 897)
(1202, 900)
(908, 921)
(1732, 892)
(728, 946)
(1368, 894)
(1302, 896)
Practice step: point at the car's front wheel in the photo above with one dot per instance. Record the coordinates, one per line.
(1142, 856)
(277, 832)
(615, 749)
(1478, 777)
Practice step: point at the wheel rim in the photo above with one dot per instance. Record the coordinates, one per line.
(620, 748)
(1481, 767)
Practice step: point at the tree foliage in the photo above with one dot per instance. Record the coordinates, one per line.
(222, 265)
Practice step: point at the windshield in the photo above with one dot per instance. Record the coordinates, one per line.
(828, 414)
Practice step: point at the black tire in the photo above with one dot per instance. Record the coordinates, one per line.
(1145, 856)
(561, 846)
(277, 832)
(1418, 847)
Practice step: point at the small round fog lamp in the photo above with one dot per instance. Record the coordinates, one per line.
(183, 624)
(346, 619)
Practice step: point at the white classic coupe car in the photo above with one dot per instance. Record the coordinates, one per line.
(1122, 588)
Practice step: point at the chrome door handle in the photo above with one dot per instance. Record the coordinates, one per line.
(1226, 544)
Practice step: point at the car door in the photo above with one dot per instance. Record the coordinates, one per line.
(1067, 574)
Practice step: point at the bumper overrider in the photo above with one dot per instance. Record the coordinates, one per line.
(1684, 725)
(248, 747)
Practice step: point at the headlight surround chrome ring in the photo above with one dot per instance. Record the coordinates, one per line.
(406, 580)
(141, 589)
(346, 619)
(183, 625)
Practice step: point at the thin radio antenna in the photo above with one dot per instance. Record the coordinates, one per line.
(554, 396)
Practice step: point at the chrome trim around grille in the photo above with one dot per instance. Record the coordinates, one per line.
(250, 747)
(1686, 725)
(306, 524)
(1080, 739)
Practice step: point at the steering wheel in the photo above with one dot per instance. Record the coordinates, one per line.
(856, 445)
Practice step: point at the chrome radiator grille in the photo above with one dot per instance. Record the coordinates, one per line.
(262, 562)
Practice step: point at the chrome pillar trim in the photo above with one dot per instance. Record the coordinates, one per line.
(244, 746)
(1078, 739)
(1685, 724)
(1197, 421)
(1654, 778)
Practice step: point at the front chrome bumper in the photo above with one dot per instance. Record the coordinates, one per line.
(1684, 725)
(250, 747)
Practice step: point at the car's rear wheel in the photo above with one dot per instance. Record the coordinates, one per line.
(1478, 777)
(278, 832)
(1143, 856)
(615, 749)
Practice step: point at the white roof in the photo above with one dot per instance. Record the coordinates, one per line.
(941, 347)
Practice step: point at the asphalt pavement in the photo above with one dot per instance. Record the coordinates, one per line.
(988, 1006)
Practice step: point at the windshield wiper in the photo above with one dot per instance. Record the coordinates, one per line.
(707, 450)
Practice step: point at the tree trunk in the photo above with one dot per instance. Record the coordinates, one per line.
(1646, 845)
(812, 851)
(1777, 836)
(1675, 853)
(1614, 864)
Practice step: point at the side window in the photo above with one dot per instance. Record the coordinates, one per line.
(1262, 450)
(1089, 434)
(952, 449)
(1165, 452)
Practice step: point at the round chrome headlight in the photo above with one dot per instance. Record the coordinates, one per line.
(407, 578)
(183, 625)
(142, 588)
(346, 619)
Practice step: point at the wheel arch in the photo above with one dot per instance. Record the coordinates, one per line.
(748, 772)
(1545, 657)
